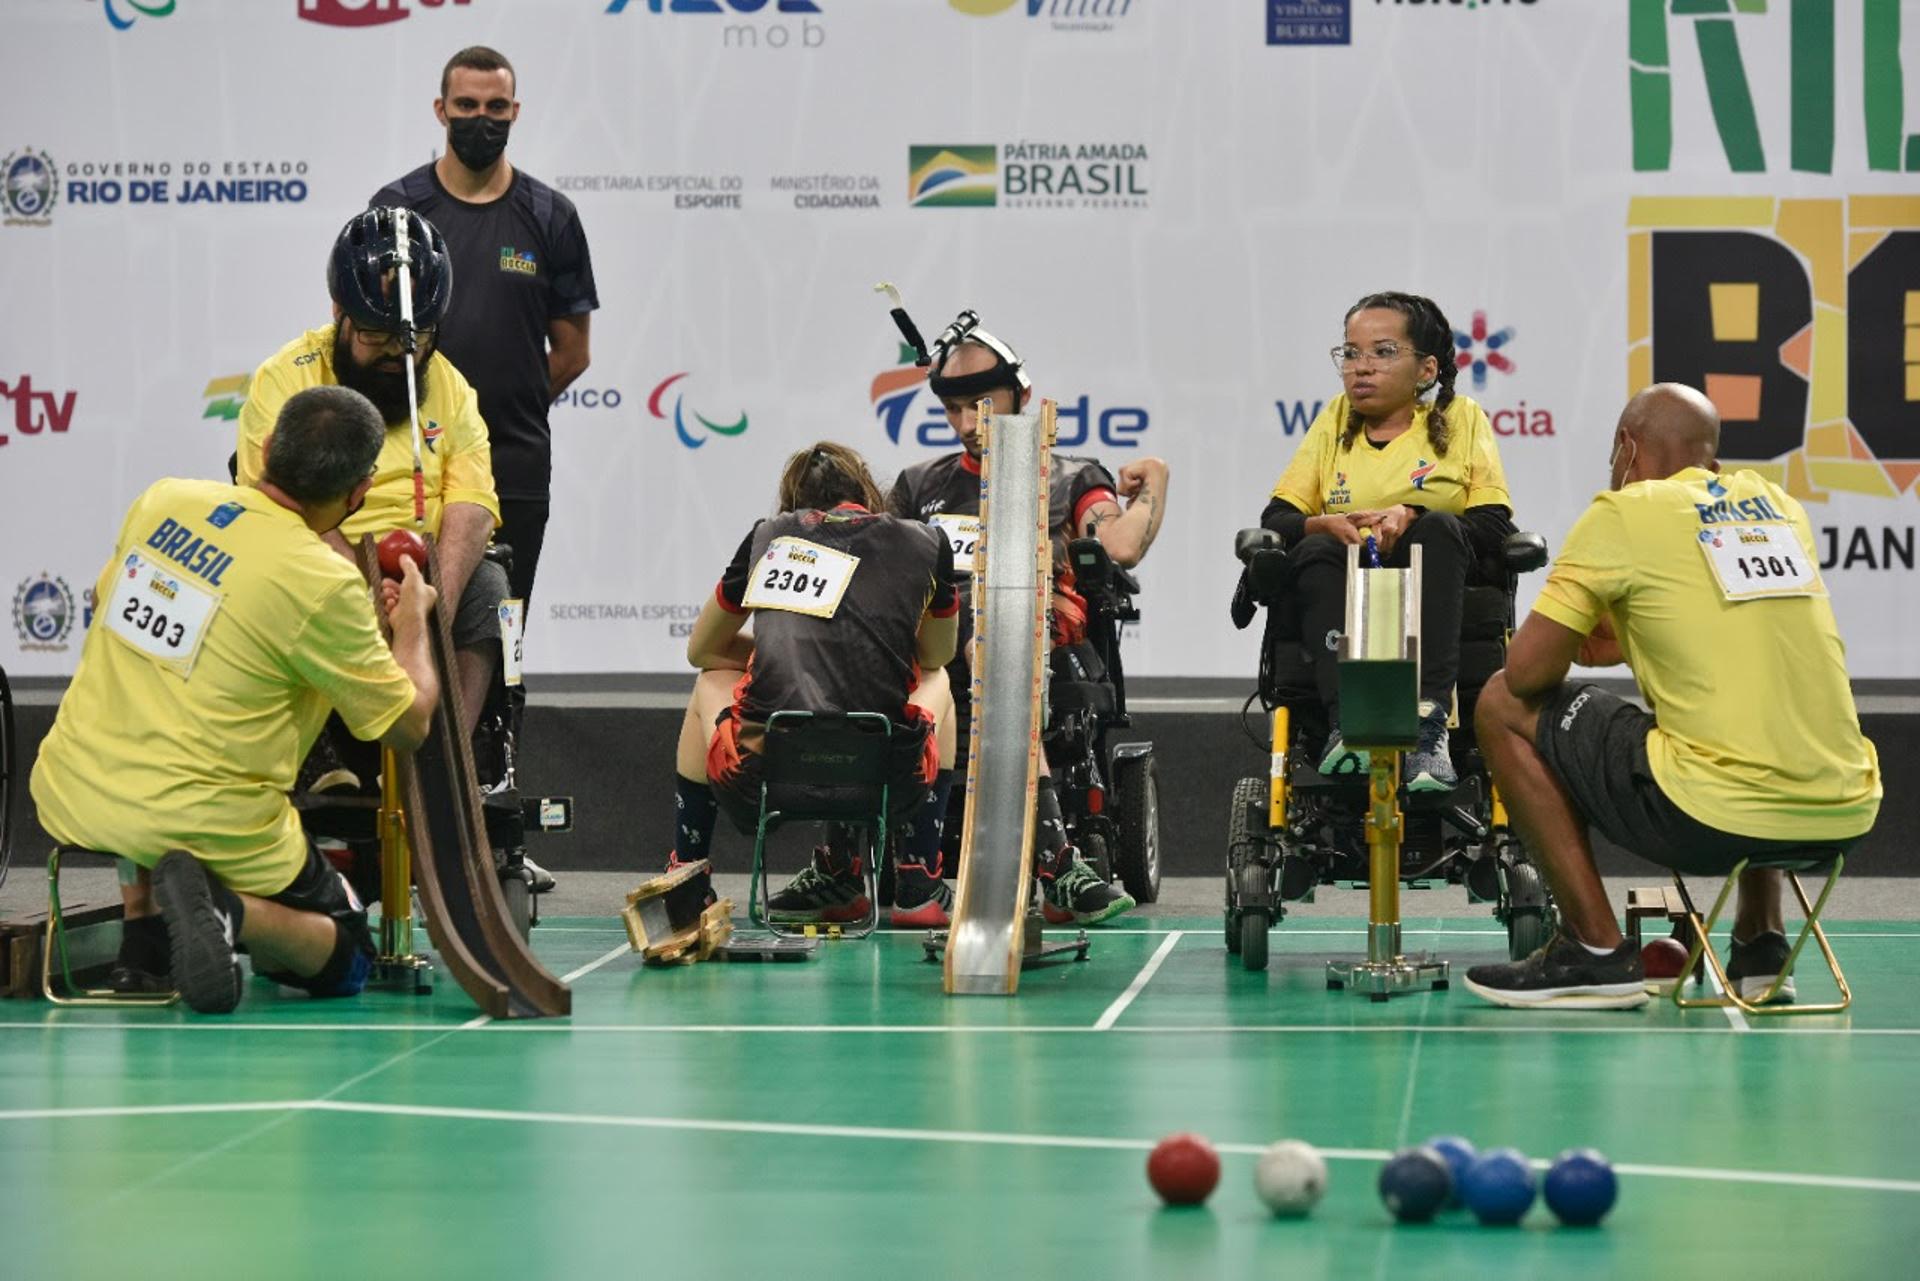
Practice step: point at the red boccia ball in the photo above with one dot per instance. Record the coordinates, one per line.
(1183, 1169)
(398, 543)
(1664, 958)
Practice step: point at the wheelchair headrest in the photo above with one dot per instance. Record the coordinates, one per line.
(1249, 541)
(1523, 552)
(1265, 559)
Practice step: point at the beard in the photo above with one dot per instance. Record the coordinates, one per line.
(386, 388)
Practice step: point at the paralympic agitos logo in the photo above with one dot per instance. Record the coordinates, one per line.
(692, 434)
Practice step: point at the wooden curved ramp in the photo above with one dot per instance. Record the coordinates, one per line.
(467, 916)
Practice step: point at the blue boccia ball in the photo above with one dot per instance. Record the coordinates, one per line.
(1580, 1187)
(1458, 1154)
(1415, 1183)
(1499, 1186)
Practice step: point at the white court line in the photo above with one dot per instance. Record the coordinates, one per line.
(150, 1109)
(591, 966)
(1778, 1178)
(1120, 1004)
(1358, 931)
(1734, 1017)
(529, 1027)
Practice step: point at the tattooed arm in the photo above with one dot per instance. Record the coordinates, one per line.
(1128, 534)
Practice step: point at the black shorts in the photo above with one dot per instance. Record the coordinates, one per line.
(319, 888)
(1596, 745)
(477, 620)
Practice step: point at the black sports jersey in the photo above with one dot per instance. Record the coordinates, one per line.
(950, 485)
(837, 598)
(519, 262)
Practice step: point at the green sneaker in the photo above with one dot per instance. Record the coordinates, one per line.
(1341, 760)
(1077, 896)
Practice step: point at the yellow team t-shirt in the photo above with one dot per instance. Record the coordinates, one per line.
(1756, 731)
(1324, 479)
(456, 457)
(226, 630)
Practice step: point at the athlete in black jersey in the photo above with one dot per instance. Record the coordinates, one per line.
(518, 325)
(1084, 501)
(849, 605)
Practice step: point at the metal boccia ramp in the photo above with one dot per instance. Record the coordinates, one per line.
(1012, 578)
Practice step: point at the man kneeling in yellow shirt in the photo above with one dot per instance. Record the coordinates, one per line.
(227, 631)
(1707, 586)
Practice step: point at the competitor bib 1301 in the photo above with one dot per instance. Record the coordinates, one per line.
(1754, 561)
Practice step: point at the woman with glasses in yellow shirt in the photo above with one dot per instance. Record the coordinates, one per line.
(1403, 458)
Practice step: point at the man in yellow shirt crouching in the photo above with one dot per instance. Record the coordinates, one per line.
(228, 629)
(1708, 587)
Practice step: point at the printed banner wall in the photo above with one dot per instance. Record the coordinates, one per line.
(1166, 205)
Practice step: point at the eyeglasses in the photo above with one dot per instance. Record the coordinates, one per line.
(378, 339)
(1347, 356)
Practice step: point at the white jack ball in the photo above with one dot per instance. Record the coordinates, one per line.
(1290, 1177)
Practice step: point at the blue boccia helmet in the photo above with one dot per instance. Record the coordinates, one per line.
(366, 252)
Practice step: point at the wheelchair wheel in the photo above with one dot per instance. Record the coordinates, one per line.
(1528, 918)
(1093, 848)
(1254, 926)
(519, 896)
(1136, 853)
(1243, 846)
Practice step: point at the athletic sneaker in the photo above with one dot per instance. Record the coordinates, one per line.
(323, 774)
(1339, 759)
(131, 980)
(1429, 766)
(821, 894)
(1564, 975)
(1077, 895)
(934, 911)
(141, 965)
(1756, 963)
(199, 933)
(542, 878)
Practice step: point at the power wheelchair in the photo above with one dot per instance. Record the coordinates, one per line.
(510, 818)
(1296, 829)
(1109, 792)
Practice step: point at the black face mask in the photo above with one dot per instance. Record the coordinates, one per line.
(477, 140)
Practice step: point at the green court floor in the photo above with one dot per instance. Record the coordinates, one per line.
(843, 1115)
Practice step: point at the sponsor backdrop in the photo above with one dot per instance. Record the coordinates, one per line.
(1166, 206)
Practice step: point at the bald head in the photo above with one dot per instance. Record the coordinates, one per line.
(969, 358)
(1667, 428)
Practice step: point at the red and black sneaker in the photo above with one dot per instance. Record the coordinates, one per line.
(931, 908)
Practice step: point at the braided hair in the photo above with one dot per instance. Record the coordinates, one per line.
(1431, 335)
(824, 475)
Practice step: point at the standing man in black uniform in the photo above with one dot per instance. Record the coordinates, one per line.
(1083, 502)
(518, 327)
